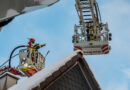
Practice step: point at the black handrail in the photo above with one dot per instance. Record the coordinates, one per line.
(13, 52)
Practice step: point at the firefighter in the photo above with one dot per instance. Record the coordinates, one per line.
(92, 37)
(90, 31)
(29, 49)
(34, 52)
(35, 48)
(31, 41)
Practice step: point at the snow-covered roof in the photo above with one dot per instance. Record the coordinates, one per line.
(39, 77)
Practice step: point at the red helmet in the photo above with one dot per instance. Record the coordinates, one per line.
(32, 40)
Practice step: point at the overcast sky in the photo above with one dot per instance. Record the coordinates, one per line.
(54, 26)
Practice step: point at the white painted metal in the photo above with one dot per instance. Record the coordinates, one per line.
(91, 43)
(25, 62)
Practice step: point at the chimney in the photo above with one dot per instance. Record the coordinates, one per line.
(7, 80)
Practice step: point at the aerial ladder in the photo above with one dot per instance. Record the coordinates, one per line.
(91, 35)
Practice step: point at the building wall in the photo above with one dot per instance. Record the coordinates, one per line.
(72, 80)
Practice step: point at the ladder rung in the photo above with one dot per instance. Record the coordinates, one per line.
(88, 19)
(85, 7)
(84, 3)
(87, 15)
(83, 0)
(86, 11)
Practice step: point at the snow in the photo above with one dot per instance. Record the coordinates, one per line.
(11, 12)
(29, 9)
(48, 2)
(39, 77)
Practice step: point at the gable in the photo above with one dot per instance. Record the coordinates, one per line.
(71, 80)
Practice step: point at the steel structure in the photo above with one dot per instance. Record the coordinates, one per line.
(91, 35)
